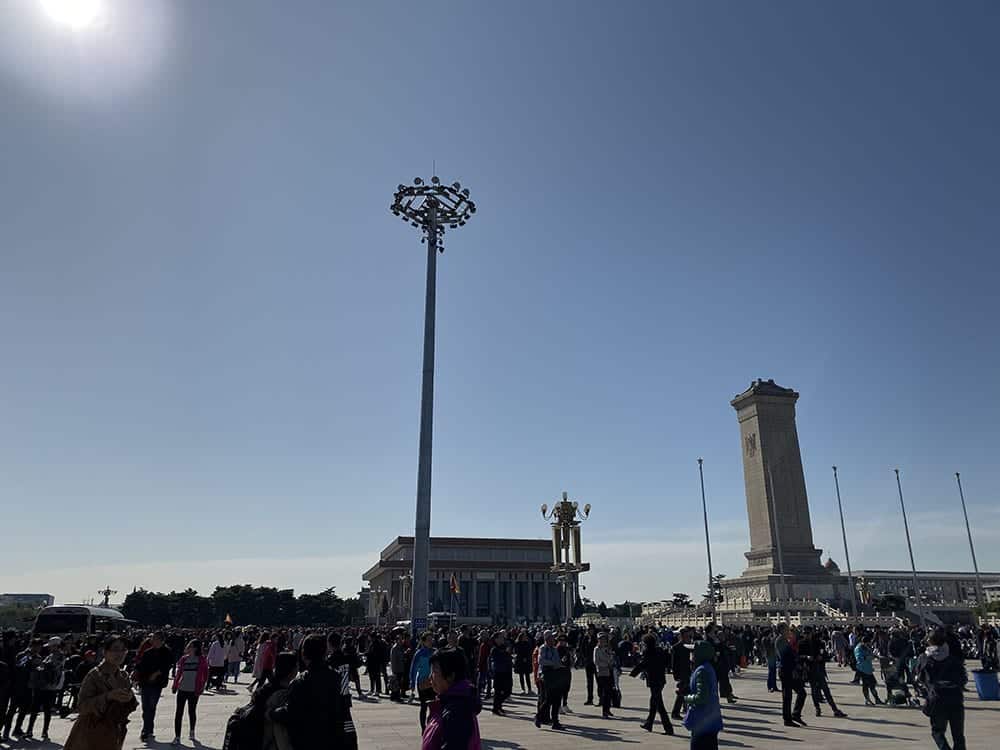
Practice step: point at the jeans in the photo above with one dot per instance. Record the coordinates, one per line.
(772, 674)
(941, 717)
(233, 668)
(150, 695)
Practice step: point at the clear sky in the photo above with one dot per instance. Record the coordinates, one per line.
(211, 324)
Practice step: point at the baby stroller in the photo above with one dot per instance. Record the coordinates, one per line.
(898, 692)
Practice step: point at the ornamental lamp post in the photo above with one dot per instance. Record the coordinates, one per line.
(567, 550)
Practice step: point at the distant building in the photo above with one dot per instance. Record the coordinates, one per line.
(933, 587)
(992, 592)
(28, 600)
(498, 579)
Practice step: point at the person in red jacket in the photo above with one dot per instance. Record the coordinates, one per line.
(190, 678)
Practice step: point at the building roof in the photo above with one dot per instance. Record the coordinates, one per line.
(470, 541)
(945, 574)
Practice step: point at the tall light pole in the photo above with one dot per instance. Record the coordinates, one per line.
(909, 546)
(567, 551)
(972, 548)
(847, 555)
(429, 208)
(708, 544)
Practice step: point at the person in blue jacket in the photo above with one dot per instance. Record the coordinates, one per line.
(420, 675)
(704, 715)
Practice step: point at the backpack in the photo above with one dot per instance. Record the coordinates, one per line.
(245, 728)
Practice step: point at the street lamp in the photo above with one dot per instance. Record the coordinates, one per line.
(429, 208)
(405, 582)
(566, 538)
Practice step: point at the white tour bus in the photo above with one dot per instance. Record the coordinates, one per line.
(79, 619)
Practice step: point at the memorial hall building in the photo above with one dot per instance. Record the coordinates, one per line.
(498, 580)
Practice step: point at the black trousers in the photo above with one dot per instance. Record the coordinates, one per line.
(503, 686)
(591, 674)
(941, 717)
(788, 686)
(820, 687)
(44, 701)
(604, 687)
(553, 701)
(191, 699)
(705, 742)
(375, 679)
(678, 710)
(426, 698)
(656, 707)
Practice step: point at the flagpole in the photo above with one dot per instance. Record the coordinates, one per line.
(847, 555)
(972, 549)
(909, 546)
(708, 544)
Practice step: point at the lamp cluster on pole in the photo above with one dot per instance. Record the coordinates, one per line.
(429, 208)
(567, 550)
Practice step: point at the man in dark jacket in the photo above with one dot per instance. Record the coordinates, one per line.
(501, 666)
(791, 678)
(313, 713)
(680, 667)
(943, 674)
(152, 673)
(813, 651)
(375, 659)
(653, 664)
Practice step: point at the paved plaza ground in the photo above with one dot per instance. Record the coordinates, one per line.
(755, 722)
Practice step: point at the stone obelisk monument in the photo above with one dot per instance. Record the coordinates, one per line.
(777, 506)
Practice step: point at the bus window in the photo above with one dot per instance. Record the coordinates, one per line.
(60, 624)
(111, 625)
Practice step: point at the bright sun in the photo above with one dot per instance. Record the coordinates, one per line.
(77, 14)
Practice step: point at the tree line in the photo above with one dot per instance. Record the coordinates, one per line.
(242, 605)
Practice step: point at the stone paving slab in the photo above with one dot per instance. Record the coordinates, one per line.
(755, 722)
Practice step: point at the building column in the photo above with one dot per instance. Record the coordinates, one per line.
(511, 594)
(546, 585)
(472, 595)
(496, 593)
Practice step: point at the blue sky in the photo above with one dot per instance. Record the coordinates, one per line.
(211, 324)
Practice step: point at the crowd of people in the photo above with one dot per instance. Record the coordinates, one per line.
(302, 680)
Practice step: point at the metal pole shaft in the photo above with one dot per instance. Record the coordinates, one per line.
(847, 555)
(777, 542)
(422, 527)
(909, 546)
(972, 548)
(708, 543)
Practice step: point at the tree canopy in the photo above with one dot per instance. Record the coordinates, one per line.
(244, 604)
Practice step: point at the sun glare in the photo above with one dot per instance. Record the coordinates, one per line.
(77, 14)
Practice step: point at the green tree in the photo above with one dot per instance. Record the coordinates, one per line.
(681, 601)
